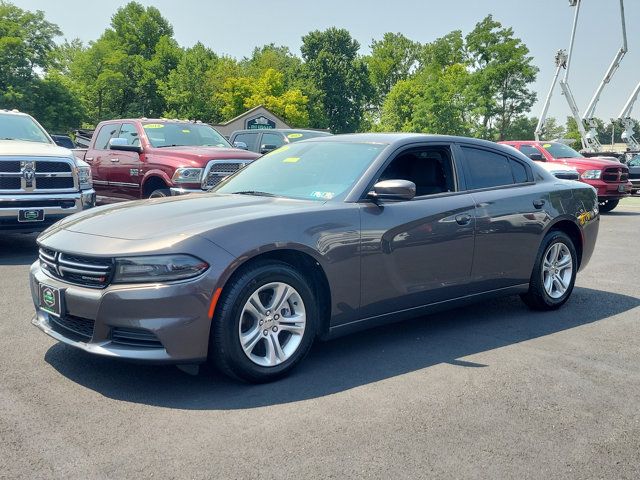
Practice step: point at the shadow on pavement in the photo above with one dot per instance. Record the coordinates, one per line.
(18, 248)
(347, 362)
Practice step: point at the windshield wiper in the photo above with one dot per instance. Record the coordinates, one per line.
(256, 193)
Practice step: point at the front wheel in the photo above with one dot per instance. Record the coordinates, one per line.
(160, 193)
(264, 324)
(554, 273)
(608, 205)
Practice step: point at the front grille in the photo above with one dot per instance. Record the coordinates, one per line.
(615, 174)
(219, 170)
(10, 166)
(49, 183)
(93, 272)
(567, 175)
(37, 204)
(9, 183)
(74, 328)
(52, 167)
(135, 337)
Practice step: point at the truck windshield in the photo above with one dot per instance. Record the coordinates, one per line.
(180, 134)
(313, 171)
(560, 150)
(21, 127)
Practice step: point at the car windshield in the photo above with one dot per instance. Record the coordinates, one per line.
(635, 161)
(297, 136)
(314, 170)
(179, 134)
(21, 127)
(560, 150)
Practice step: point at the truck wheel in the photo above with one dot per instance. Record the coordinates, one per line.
(264, 324)
(554, 273)
(161, 192)
(608, 205)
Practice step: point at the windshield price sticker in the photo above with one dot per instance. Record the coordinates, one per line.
(323, 195)
(153, 125)
(294, 135)
(291, 160)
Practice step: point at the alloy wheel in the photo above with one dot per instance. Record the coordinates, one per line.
(557, 270)
(272, 324)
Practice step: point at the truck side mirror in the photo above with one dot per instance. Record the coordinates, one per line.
(266, 148)
(241, 145)
(537, 157)
(121, 144)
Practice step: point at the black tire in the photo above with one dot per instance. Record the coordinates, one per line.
(537, 297)
(225, 350)
(608, 205)
(160, 193)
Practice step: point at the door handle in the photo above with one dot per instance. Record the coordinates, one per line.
(463, 219)
(115, 160)
(539, 203)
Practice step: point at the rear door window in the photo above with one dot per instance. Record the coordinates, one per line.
(486, 169)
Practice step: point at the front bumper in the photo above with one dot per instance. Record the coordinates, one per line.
(74, 203)
(610, 191)
(175, 191)
(175, 314)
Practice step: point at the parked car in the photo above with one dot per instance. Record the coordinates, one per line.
(323, 238)
(634, 173)
(63, 141)
(610, 178)
(145, 158)
(40, 183)
(266, 140)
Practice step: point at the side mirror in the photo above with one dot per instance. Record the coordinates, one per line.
(267, 148)
(537, 157)
(122, 145)
(393, 190)
(241, 145)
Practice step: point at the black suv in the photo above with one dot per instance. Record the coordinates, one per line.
(265, 140)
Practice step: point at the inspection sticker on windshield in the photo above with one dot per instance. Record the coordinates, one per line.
(546, 145)
(291, 160)
(323, 195)
(154, 125)
(294, 135)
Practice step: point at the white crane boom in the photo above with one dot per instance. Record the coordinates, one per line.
(561, 62)
(628, 136)
(591, 138)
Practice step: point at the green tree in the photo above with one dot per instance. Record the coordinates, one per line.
(56, 105)
(391, 60)
(340, 76)
(572, 132)
(522, 128)
(26, 43)
(503, 72)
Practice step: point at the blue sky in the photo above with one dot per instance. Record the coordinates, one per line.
(234, 28)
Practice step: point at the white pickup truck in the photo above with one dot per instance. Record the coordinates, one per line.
(40, 183)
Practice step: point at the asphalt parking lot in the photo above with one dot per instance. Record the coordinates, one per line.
(488, 391)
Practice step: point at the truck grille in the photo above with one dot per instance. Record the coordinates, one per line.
(19, 175)
(615, 174)
(90, 272)
(218, 170)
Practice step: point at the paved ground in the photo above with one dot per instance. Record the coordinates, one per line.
(490, 391)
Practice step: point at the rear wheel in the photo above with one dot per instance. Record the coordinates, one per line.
(554, 273)
(608, 205)
(264, 324)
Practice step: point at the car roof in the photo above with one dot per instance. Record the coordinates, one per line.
(400, 139)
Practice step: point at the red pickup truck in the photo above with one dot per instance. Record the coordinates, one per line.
(146, 158)
(609, 177)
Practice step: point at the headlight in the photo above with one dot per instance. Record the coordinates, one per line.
(591, 174)
(187, 175)
(84, 178)
(160, 268)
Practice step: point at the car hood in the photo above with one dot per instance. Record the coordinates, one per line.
(32, 149)
(200, 154)
(555, 167)
(591, 162)
(178, 217)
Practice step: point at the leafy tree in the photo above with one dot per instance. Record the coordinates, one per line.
(56, 104)
(340, 76)
(444, 51)
(572, 132)
(503, 71)
(522, 128)
(392, 59)
(26, 42)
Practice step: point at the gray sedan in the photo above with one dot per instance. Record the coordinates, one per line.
(316, 239)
